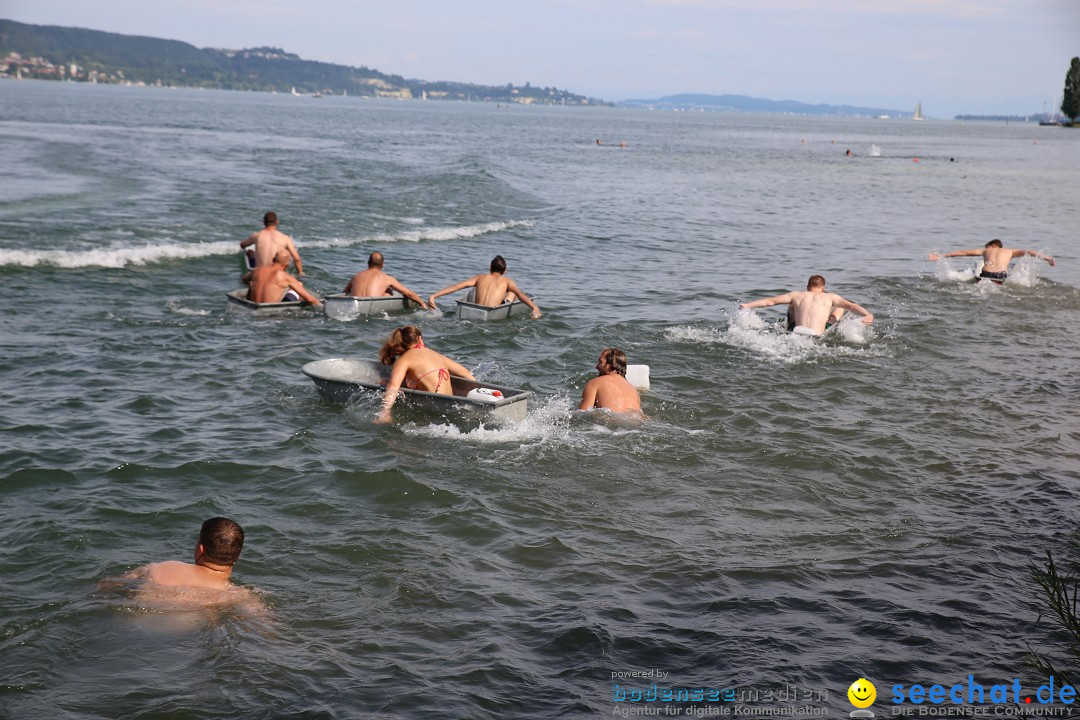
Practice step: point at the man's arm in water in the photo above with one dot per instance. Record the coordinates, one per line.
(853, 307)
(1034, 253)
(588, 395)
(767, 302)
(395, 285)
(471, 282)
(295, 255)
(958, 253)
(512, 287)
(304, 294)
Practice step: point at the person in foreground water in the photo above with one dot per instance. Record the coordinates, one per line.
(373, 282)
(270, 241)
(415, 366)
(611, 390)
(813, 310)
(203, 583)
(996, 259)
(492, 289)
(216, 551)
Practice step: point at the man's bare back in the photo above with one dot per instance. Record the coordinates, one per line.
(370, 283)
(269, 284)
(206, 581)
(174, 573)
(811, 308)
(373, 282)
(270, 242)
(490, 289)
(493, 289)
(611, 390)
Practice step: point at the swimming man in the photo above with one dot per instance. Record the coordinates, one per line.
(611, 390)
(492, 289)
(996, 259)
(814, 310)
(373, 282)
(270, 241)
(216, 551)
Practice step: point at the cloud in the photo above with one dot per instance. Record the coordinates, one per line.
(675, 34)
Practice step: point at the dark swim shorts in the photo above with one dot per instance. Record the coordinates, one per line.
(998, 277)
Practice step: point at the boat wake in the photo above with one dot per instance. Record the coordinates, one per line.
(1024, 273)
(748, 331)
(547, 421)
(122, 255)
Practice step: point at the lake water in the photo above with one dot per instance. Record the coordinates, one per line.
(795, 513)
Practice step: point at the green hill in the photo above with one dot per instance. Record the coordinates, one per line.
(61, 53)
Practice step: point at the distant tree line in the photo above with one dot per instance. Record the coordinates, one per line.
(76, 54)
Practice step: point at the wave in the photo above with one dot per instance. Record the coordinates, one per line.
(121, 256)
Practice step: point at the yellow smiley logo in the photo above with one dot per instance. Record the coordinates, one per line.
(862, 693)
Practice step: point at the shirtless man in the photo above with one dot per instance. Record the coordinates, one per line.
(492, 289)
(216, 551)
(812, 309)
(996, 259)
(270, 241)
(373, 282)
(271, 283)
(611, 390)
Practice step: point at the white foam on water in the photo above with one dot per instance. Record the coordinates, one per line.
(547, 420)
(1024, 272)
(875, 151)
(176, 307)
(119, 255)
(116, 256)
(748, 331)
(946, 273)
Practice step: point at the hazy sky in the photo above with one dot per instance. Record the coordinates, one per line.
(956, 56)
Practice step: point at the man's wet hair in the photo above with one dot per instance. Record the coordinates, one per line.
(615, 358)
(498, 265)
(815, 281)
(375, 260)
(270, 218)
(222, 540)
(993, 243)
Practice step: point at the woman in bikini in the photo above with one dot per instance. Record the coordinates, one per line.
(416, 367)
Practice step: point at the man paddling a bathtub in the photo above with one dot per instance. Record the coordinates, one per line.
(813, 310)
(492, 289)
(270, 241)
(271, 284)
(373, 282)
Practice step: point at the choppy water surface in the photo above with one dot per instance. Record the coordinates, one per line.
(795, 511)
